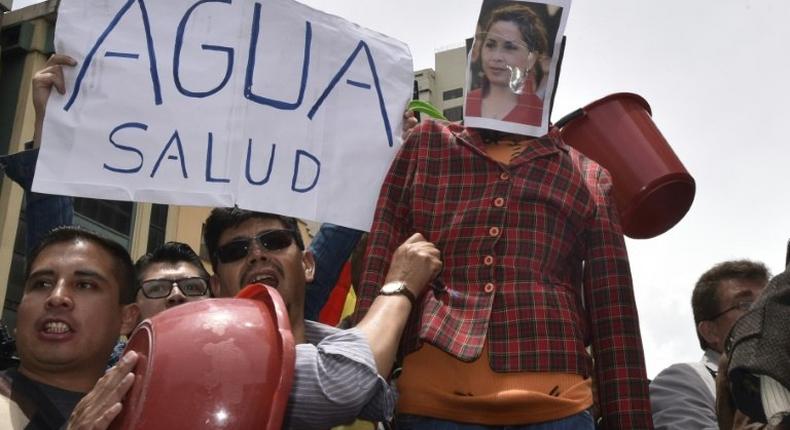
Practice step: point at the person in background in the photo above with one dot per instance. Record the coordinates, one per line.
(683, 396)
(753, 382)
(168, 276)
(43, 212)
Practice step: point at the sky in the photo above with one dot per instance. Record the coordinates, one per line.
(715, 73)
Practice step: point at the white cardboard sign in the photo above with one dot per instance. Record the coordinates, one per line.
(267, 104)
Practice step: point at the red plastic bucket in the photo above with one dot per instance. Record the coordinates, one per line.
(652, 189)
(212, 364)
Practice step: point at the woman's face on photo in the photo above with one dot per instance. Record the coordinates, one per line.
(503, 46)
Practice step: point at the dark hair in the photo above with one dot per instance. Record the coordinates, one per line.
(705, 301)
(124, 273)
(222, 219)
(173, 253)
(529, 25)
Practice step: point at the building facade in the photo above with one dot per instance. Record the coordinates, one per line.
(444, 86)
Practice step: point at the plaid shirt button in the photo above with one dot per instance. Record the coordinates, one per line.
(488, 260)
(489, 288)
(493, 231)
(504, 176)
(499, 202)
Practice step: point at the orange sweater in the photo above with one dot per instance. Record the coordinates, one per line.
(436, 384)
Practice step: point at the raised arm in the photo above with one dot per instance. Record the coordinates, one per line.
(415, 263)
(43, 81)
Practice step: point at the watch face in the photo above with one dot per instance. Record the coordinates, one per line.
(392, 288)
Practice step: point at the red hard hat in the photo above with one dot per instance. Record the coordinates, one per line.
(212, 364)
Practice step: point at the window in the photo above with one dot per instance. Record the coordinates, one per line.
(158, 226)
(112, 214)
(454, 113)
(453, 94)
(111, 219)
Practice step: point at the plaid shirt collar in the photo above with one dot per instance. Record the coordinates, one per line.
(548, 144)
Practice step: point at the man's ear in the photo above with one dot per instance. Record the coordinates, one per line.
(308, 261)
(215, 285)
(708, 332)
(130, 317)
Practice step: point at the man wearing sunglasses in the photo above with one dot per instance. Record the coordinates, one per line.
(339, 374)
(683, 396)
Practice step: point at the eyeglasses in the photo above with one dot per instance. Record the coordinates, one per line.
(741, 306)
(160, 288)
(272, 240)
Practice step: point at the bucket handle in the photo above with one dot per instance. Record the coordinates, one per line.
(570, 117)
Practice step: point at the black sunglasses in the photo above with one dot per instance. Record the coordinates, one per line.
(271, 240)
(741, 306)
(160, 288)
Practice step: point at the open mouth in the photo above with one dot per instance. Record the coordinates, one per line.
(56, 327)
(263, 278)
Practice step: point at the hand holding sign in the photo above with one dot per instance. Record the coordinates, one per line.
(43, 81)
(269, 105)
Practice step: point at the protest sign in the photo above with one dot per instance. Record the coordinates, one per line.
(267, 104)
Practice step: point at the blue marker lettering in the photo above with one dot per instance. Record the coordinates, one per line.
(279, 104)
(175, 138)
(177, 56)
(362, 45)
(148, 40)
(126, 148)
(297, 159)
(209, 157)
(249, 164)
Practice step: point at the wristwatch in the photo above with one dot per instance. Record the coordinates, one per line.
(398, 287)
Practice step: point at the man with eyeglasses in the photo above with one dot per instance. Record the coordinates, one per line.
(170, 275)
(683, 396)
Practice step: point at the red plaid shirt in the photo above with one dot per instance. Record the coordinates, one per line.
(513, 241)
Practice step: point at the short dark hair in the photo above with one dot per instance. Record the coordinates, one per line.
(222, 219)
(173, 253)
(127, 289)
(705, 298)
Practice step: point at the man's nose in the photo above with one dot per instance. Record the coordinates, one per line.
(257, 251)
(60, 297)
(176, 297)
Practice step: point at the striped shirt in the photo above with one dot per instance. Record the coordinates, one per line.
(335, 381)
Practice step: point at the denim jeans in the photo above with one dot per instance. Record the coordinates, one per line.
(580, 421)
(43, 212)
(331, 246)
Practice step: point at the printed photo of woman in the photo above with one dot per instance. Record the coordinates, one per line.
(512, 58)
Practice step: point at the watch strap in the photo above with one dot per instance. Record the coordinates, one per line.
(402, 290)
